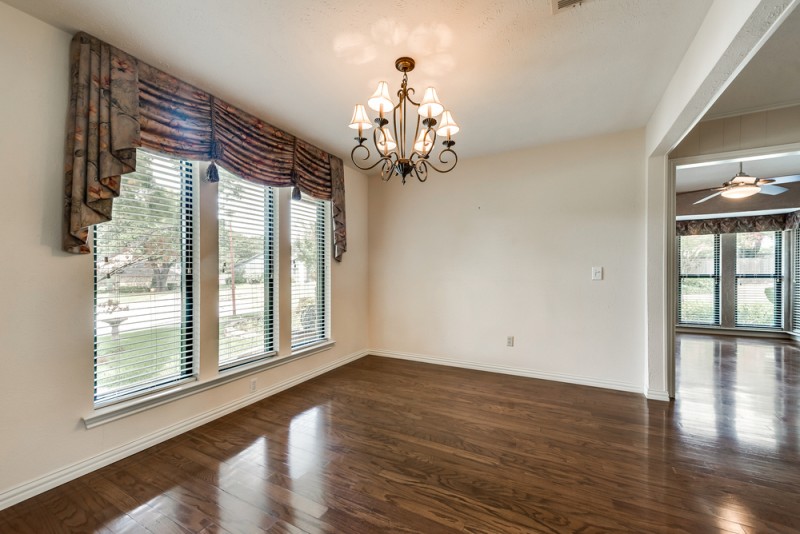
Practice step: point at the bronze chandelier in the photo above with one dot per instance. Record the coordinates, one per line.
(399, 157)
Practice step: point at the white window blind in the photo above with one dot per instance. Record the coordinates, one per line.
(246, 259)
(796, 282)
(143, 282)
(309, 271)
(698, 288)
(759, 279)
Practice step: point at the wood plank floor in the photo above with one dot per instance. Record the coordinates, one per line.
(384, 446)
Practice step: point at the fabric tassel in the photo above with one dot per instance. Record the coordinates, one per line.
(212, 173)
(296, 193)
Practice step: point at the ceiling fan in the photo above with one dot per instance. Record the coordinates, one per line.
(743, 185)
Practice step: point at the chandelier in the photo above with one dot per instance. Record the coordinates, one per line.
(399, 157)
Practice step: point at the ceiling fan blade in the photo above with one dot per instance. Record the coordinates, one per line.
(709, 197)
(786, 179)
(772, 189)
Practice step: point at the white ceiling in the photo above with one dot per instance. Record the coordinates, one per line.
(770, 80)
(514, 74)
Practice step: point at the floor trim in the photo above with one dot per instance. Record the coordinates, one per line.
(658, 395)
(507, 370)
(60, 476)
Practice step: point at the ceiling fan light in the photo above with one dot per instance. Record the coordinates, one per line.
(380, 101)
(430, 105)
(360, 118)
(741, 191)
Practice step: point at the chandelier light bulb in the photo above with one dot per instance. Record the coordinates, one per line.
(447, 126)
(424, 142)
(385, 142)
(380, 101)
(360, 120)
(430, 105)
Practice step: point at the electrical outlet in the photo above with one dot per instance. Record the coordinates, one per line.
(253, 385)
(510, 341)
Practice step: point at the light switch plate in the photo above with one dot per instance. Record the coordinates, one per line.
(597, 273)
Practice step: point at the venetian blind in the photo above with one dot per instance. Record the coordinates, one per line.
(246, 259)
(143, 316)
(309, 271)
(796, 282)
(759, 279)
(698, 288)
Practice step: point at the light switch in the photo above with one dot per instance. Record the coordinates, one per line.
(597, 273)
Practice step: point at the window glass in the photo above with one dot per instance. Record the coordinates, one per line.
(143, 282)
(309, 271)
(246, 258)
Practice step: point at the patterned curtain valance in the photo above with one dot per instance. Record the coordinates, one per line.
(118, 103)
(737, 225)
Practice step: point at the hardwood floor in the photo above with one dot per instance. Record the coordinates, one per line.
(385, 445)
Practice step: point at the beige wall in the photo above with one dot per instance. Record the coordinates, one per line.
(504, 245)
(752, 130)
(46, 306)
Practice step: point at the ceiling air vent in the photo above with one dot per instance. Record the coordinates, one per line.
(561, 5)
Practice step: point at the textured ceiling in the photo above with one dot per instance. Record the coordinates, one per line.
(514, 74)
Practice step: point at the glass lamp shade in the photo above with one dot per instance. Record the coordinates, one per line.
(384, 141)
(424, 142)
(380, 101)
(741, 191)
(430, 105)
(360, 118)
(447, 126)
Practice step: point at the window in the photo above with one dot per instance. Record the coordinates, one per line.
(796, 281)
(143, 316)
(144, 279)
(309, 271)
(246, 258)
(698, 290)
(759, 279)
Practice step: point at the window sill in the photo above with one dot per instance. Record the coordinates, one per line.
(107, 414)
(738, 331)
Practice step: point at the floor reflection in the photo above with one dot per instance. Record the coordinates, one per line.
(307, 441)
(738, 391)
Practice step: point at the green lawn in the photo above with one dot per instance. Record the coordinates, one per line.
(119, 361)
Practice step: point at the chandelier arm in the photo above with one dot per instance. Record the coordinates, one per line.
(388, 168)
(421, 170)
(365, 158)
(395, 113)
(416, 133)
(433, 140)
(449, 164)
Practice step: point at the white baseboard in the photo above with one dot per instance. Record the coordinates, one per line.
(56, 478)
(516, 371)
(658, 395)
